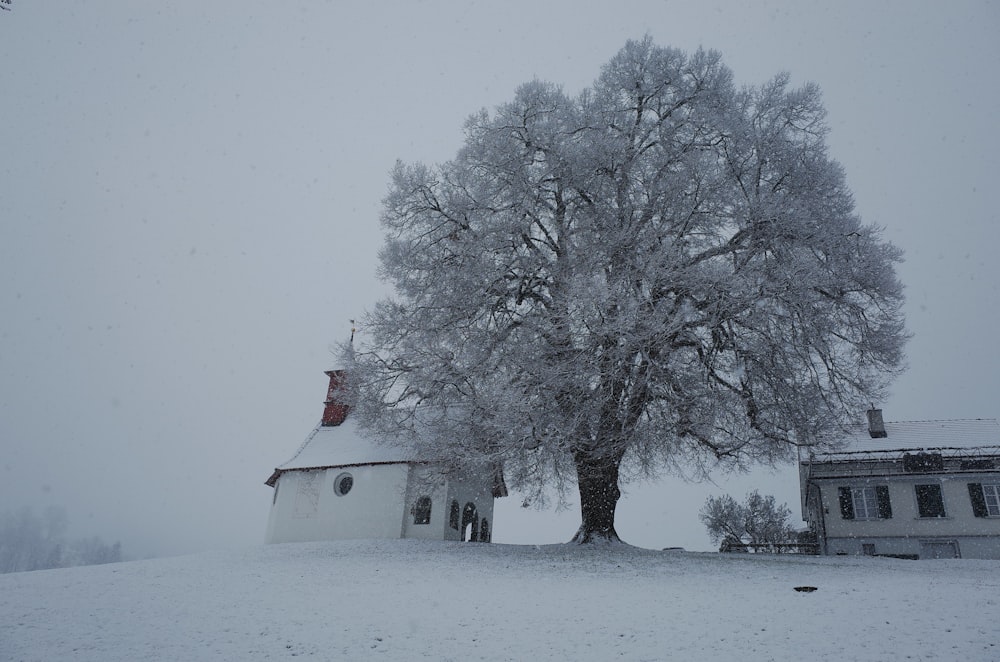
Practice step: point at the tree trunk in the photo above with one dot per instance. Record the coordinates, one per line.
(598, 481)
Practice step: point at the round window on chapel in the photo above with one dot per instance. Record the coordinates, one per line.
(343, 483)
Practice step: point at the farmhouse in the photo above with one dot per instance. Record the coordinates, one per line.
(341, 485)
(921, 489)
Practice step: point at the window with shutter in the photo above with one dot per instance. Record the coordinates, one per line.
(865, 502)
(991, 494)
(985, 499)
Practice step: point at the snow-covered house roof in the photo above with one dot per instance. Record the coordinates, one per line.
(909, 436)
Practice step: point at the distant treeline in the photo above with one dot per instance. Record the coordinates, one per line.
(32, 542)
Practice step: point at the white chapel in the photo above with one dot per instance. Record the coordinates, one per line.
(343, 485)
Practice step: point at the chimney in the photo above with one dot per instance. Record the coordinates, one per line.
(876, 428)
(335, 410)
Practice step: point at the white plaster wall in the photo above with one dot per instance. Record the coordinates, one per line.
(379, 505)
(459, 488)
(372, 509)
(979, 537)
(979, 548)
(423, 482)
(976, 547)
(471, 489)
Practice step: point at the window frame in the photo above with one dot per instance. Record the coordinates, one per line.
(992, 501)
(865, 502)
(339, 483)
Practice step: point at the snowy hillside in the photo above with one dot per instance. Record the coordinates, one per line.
(412, 600)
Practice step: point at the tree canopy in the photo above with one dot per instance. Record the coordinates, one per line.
(758, 521)
(662, 272)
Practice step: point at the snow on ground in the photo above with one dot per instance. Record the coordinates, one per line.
(418, 600)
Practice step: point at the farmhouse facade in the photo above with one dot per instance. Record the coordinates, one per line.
(923, 489)
(343, 485)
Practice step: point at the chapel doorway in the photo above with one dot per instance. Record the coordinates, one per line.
(470, 523)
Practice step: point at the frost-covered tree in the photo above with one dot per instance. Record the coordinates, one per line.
(663, 272)
(756, 521)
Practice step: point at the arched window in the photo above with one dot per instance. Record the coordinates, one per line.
(454, 514)
(422, 511)
(484, 530)
(470, 522)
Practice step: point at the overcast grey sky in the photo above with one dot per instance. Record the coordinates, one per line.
(189, 200)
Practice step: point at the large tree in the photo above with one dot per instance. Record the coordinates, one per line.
(662, 272)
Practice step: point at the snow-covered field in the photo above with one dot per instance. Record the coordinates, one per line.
(414, 600)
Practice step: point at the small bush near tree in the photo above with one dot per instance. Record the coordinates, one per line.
(757, 523)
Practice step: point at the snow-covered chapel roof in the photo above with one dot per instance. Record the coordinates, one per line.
(343, 445)
(337, 441)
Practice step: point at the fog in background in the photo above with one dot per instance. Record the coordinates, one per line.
(189, 203)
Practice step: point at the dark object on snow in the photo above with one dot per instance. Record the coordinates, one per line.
(805, 589)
